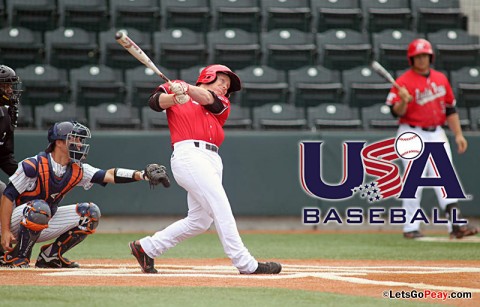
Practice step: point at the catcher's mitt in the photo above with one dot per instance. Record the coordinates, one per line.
(156, 174)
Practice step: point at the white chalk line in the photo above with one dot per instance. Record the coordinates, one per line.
(355, 275)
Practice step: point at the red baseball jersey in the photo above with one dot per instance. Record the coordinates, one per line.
(431, 95)
(191, 121)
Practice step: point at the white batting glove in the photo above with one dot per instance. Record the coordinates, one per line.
(181, 99)
(179, 88)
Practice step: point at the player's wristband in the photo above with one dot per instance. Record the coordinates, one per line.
(123, 175)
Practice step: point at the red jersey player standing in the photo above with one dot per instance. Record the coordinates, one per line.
(196, 115)
(423, 104)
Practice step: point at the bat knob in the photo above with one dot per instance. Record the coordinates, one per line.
(118, 35)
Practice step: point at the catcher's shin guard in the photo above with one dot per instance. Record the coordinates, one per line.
(51, 255)
(35, 219)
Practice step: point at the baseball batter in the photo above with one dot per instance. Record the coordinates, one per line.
(423, 104)
(30, 209)
(196, 115)
(10, 91)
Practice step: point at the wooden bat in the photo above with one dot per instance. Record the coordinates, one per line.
(384, 73)
(123, 39)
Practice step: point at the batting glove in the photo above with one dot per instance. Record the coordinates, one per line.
(181, 99)
(179, 87)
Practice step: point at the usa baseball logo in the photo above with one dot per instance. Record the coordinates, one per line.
(377, 160)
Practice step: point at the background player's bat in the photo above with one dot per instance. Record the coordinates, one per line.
(384, 73)
(123, 39)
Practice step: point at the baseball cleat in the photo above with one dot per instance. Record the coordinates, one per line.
(459, 232)
(55, 262)
(11, 262)
(413, 234)
(146, 263)
(268, 268)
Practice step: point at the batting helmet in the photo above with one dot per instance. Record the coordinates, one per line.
(9, 77)
(76, 135)
(419, 46)
(209, 75)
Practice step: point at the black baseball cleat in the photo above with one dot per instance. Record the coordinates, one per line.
(146, 263)
(413, 234)
(459, 232)
(268, 268)
(55, 262)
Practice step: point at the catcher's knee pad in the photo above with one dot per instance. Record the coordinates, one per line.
(36, 215)
(89, 217)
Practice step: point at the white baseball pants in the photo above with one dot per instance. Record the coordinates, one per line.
(412, 205)
(199, 171)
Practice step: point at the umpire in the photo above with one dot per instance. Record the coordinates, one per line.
(10, 91)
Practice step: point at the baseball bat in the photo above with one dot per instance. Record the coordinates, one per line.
(127, 43)
(384, 73)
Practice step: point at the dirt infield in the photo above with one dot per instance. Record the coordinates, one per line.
(377, 279)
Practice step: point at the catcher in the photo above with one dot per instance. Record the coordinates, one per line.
(30, 211)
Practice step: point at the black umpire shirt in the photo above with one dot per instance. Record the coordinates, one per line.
(7, 161)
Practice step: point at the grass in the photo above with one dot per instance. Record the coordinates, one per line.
(288, 246)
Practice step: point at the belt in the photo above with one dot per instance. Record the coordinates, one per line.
(427, 129)
(210, 147)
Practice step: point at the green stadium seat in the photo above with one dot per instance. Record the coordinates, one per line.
(282, 14)
(340, 14)
(390, 47)
(113, 116)
(279, 116)
(240, 14)
(333, 116)
(38, 15)
(143, 15)
(380, 15)
(20, 47)
(50, 113)
(190, 14)
(90, 15)
(432, 16)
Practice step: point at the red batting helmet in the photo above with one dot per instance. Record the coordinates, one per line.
(209, 75)
(419, 46)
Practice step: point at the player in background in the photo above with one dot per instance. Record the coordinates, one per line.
(196, 115)
(30, 210)
(423, 104)
(10, 91)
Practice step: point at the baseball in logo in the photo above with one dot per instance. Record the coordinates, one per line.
(377, 160)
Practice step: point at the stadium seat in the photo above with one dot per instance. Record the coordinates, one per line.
(455, 49)
(240, 14)
(475, 118)
(343, 49)
(154, 120)
(341, 14)
(284, 14)
(239, 118)
(432, 16)
(262, 85)
(92, 85)
(38, 15)
(381, 14)
(20, 47)
(50, 113)
(378, 116)
(313, 85)
(25, 116)
(333, 116)
(191, 74)
(179, 48)
(90, 15)
(114, 55)
(143, 15)
(142, 81)
(390, 48)
(279, 116)
(288, 49)
(363, 87)
(190, 14)
(465, 118)
(42, 84)
(233, 47)
(113, 116)
(466, 85)
(3, 15)
(70, 48)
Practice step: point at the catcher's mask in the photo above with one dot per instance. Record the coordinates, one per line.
(75, 135)
(10, 86)
(419, 46)
(209, 75)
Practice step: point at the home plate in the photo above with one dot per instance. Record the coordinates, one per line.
(472, 239)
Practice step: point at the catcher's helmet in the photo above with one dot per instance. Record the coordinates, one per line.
(209, 75)
(76, 136)
(9, 77)
(419, 46)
